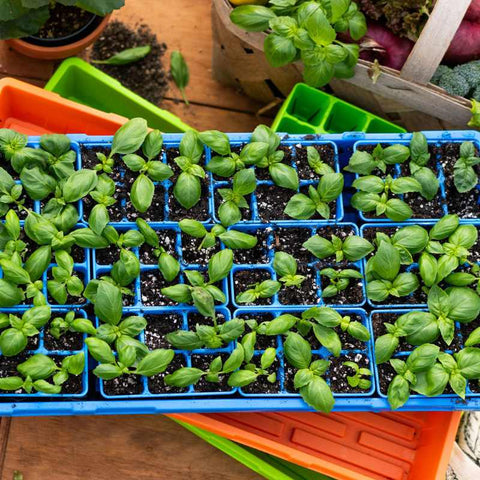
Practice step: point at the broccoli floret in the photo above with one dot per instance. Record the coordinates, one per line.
(454, 84)
(441, 71)
(476, 94)
(470, 72)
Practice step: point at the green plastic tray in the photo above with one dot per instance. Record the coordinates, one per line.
(266, 465)
(77, 80)
(308, 110)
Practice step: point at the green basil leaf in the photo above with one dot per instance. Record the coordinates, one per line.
(108, 303)
(284, 264)
(397, 210)
(238, 240)
(386, 262)
(385, 346)
(127, 56)
(154, 362)
(318, 395)
(423, 358)
(10, 295)
(235, 359)
(284, 175)
(12, 342)
(444, 227)
(398, 392)
(37, 183)
(100, 350)
(356, 248)
(183, 377)
(220, 265)
(217, 141)
(79, 185)
(38, 367)
(328, 338)
(129, 137)
(297, 351)
(253, 18)
(142, 193)
(187, 190)
(107, 371)
(464, 304)
(242, 378)
(300, 207)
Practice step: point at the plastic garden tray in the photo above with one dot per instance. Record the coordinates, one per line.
(239, 401)
(268, 466)
(31, 110)
(77, 80)
(308, 110)
(360, 446)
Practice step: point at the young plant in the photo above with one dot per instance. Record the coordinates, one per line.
(60, 158)
(286, 267)
(16, 330)
(419, 361)
(419, 327)
(316, 163)
(185, 376)
(64, 281)
(127, 139)
(358, 380)
(419, 158)
(453, 370)
(339, 280)
(143, 188)
(250, 372)
(244, 183)
(308, 31)
(59, 326)
(206, 336)
(384, 277)
(10, 193)
(303, 207)
(308, 377)
(373, 195)
(167, 264)
(127, 361)
(36, 370)
(464, 175)
(282, 175)
(353, 248)
(203, 294)
(231, 238)
(103, 195)
(180, 73)
(188, 188)
(365, 163)
(265, 289)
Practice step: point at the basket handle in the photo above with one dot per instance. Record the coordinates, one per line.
(434, 40)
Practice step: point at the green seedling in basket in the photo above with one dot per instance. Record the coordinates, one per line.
(339, 280)
(419, 159)
(358, 380)
(353, 248)
(265, 289)
(285, 267)
(59, 326)
(465, 279)
(365, 163)
(464, 174)
(36, 370)
(250, 371)
(64, 282)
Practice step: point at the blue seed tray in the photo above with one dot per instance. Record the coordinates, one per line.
(311, 263)
(413, 268)
(284, 373)
(457, 345)
(41, 348)
(183, 356)
(441, 176)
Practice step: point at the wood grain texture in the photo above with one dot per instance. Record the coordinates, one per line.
(113, 447)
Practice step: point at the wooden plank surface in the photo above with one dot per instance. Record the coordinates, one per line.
(113, 447)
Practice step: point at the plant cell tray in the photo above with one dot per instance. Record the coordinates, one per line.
(360, 446)
(79, 81)
(33, 111)
(309, 110)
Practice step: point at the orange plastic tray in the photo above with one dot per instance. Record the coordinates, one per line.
(347, 446)
(31, 110)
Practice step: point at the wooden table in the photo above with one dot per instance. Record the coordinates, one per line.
(134, 447)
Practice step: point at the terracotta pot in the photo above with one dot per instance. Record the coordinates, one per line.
(56, 52)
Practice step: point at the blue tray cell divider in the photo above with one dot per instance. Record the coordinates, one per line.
(320, 352)
(312, 264)
(190, 391)
(41, 348)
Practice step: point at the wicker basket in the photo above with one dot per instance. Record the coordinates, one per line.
(404, 96)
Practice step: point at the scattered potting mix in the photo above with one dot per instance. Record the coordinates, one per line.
(208, 264)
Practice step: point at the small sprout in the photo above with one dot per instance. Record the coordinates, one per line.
(285, 267)
(59, 326)
(464, 175)
(339, 280)
(357, 380)
(353, 248)
(265, 289)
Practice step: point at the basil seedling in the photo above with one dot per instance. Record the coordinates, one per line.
(339, 280)
(464, 175)
(316, 163)
(303, 207)
(353, 248)
(59, 326)
(103, 195)
(187, 189)
(365, 163)
(265, 289)
(180, 73)
(358, 380)
(143, 188)
(231, 238)
(10, 193)
(250, 372)
(286, 267)
(64, 282)
(203, 294)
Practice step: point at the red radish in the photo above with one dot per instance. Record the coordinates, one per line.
(380, 43)
(473, 12)
(465, 46)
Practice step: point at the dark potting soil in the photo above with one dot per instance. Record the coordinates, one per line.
(167, 240)
(271, 202)
(78, 254)
(386, 374)
(199, 212)
(338, 373)
(327, 155)
(89, 160)
(158, 326)
(156, 384)
(195, 318)
(349, 342)
(305, 294)
(124, 385)
(107, 256)
(151, 284)
(423, 208)
(202, 362)
(70, 299)
(154, 213)
(263, 341)
(264, 174)
(33, 342)
(192, 254)
(467, 328)
(351, 295)
(147, 77)
(242, 280)
(291, 240)
(466, 205)
(259, 253)
(474, 386)
(68, 341)
(63, 21)
(261, 384)
(28, 203)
